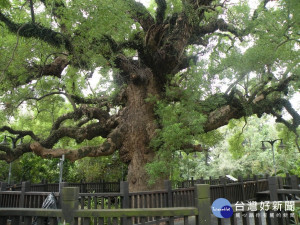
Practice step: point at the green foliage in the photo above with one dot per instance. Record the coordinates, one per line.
(4, 171)
(4, 4)
(35, 169)
(181, 124)
(269, 51)
(297, 216)
(240, 153)
(236, 147)
(211, 138)
(96, 169)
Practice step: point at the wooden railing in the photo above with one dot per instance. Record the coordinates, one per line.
(71, 212)
(183, 197)
(224, 180)
(72, 215)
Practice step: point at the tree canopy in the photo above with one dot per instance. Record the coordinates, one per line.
(89, 78)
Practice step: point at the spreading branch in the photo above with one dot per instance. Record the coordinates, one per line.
(93, 122)
(33, 30)
(211, 27)
(88, 112)
(47, 95)
(140, 14)
(9, 155)
(113, 142)
(295, 115)
(20, 133)
(235, 105)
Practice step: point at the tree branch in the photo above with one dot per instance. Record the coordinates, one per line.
(46, 95)
(112, 143)
(211, 27)
(32, 30)
(53, 69)
(32, 11)
(140, 14)
(20, 133)
(295, 115)
(10, 155)
(235, 106)
(106, 127)
(160, 11)
(194, 148)
(101, 101)
(89, 112)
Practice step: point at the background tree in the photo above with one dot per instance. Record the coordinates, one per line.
(166, 67)
(240, 153)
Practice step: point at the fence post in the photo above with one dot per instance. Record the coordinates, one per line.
(45, 185)
(241, 180)
(203, 204)
(223, 182)
(168, 188)
(25, 188)
(220, 181)
(104, 186)
(3, 186)
(84, 187)
(201, 180)
(81, 186)
(255, 178)
(294, 182)
(288, 180)
(273, 187)
(60, 188)
(69, 204)
(124, 190)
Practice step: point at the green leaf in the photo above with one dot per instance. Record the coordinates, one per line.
(4, 4)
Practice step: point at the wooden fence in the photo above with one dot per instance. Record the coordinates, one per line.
(224, 180)
(103, 186)
(180, 197)
(71, 212)
(94, 187)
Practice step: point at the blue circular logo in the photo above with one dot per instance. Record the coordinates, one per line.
(221, 208)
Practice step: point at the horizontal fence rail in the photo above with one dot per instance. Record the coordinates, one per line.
(95, 187)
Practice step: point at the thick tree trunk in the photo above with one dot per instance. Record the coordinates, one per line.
(139, 117)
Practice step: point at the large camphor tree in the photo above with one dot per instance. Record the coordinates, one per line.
(149, 81)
